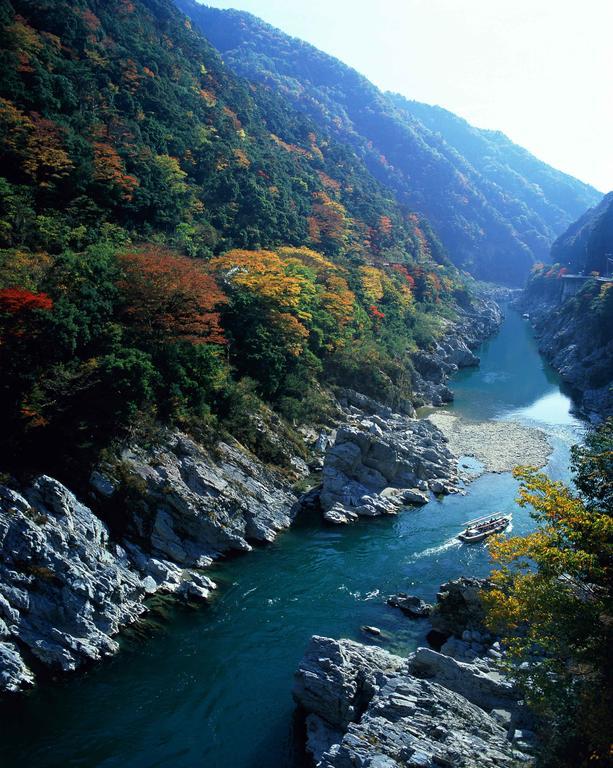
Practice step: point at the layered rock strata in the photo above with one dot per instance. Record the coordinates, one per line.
(368, 707)
(378, 465)
(65, 588)
(195, 504)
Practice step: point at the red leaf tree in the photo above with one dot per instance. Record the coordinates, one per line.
(16, 318)
(15, 301)
(169, 297)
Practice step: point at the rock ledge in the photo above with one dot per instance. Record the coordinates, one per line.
(367, 707)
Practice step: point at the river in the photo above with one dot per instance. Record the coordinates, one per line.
(211, 687)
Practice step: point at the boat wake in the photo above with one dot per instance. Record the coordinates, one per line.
(449, 544)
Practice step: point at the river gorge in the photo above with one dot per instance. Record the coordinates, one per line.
(211, 686)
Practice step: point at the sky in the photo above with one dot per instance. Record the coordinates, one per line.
(541, 71)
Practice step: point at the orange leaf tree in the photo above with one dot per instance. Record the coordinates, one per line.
(169, 297)
(329, 224)
(109, 170)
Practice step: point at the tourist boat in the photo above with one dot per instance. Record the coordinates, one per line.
(482, 527)
(526, 316)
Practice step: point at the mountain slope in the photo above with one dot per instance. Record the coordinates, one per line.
(118, 112)
(179, 245)
(496, 208)
(587, 244)
(527, 185)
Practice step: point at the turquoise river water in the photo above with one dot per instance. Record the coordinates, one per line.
(211, 687)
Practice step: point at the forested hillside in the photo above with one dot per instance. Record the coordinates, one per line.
(495, 207)
(179, 244)
(588, 243)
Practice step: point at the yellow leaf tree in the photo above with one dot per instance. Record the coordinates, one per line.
(551, 602)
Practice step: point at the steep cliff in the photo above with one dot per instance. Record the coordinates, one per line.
(571, 308)
(69, 584)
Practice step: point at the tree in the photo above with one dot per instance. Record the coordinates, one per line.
(267, 276)
(47, 161)
(333, 293)
(16, 301)
(328, 223)
(267, 317)
(20, 316)
(169, 297)
(338, 300)
(109, 170)
(372, 283)
(551, 601)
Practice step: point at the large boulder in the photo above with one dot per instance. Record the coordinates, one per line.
(14, 674)
(411, 605)
(379, 465)
(459, 606)
(367, 708)
(64, 588)
(480, 684)
(337, 679)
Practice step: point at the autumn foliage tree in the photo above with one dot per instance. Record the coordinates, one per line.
(47, 162)
(17, 301)
(277, 297)
(286, 307)
(551, 601)
(263, 273)
(169, 297)
(18, 310)
(328, 223)
(24, 316)
(36, 144)
(332, 302)
(332, 291)
(109, 170)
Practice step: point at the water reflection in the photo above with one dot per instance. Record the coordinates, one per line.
(512, 377)
(553, 408)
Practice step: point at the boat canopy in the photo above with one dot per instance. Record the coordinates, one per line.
(486, 518)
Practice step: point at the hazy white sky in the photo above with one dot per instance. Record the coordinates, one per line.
(541, 71)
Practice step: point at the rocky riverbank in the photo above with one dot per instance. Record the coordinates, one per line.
(69, 582)
(195, 504)
(499, 446)
(366, 706)
(369, 707)
(455, 350)
(67, 587)
(381, 462)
